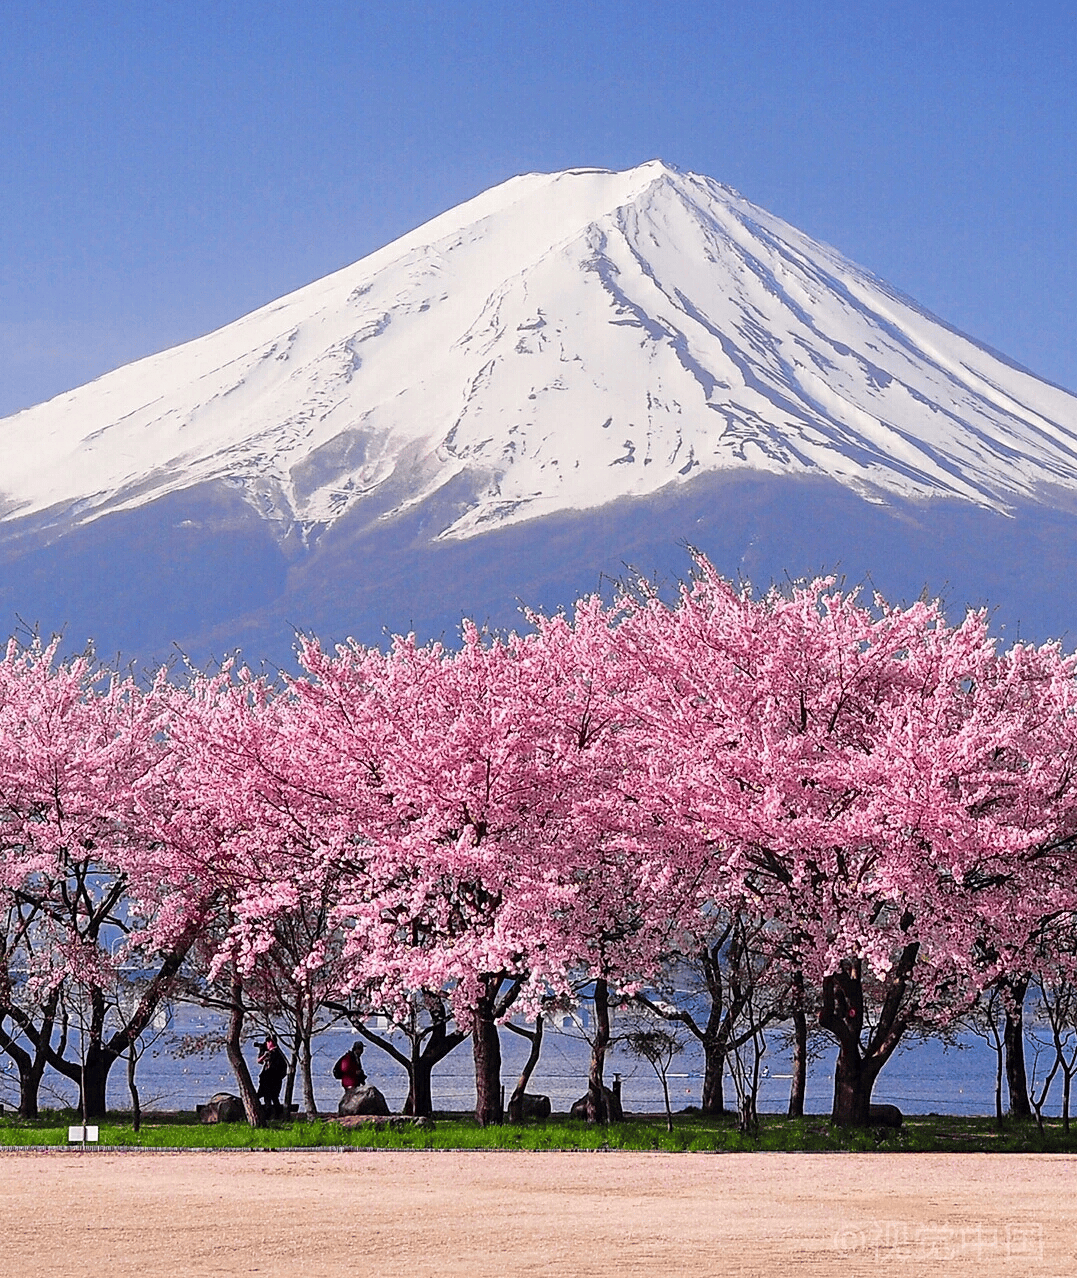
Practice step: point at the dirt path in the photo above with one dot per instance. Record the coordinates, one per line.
(391, 1215)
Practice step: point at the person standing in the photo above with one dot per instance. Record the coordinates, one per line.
(274, 1068)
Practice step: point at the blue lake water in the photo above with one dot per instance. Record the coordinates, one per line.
(925, 1077)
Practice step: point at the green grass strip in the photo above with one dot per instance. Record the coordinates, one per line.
(920, 1134)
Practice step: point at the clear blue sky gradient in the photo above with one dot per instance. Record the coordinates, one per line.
(166, 167)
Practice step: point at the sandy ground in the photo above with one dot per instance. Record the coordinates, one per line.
(479, 1214)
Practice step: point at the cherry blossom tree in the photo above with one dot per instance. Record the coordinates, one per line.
(461, 864)
(255, 840)
(83, 883)
(494, 851)
(888, 789)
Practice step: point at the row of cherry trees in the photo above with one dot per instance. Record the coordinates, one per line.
(880, 807)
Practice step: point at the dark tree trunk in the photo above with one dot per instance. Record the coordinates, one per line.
(715, 1036)
(41, 1054)
(799, 1082)
(516, 1100)
(293, 1060)
(1000, 1070)
(136, 1106)
(598, 1110)
(29, 1090)
(234, 1049)
(486, 1047)
(31, 1066)
(97, 1057)
(440, 1041)
(44, 1054)
(420, 1098)
(31, 1069)
(729, 996)
(714, 1053)
(665, 1096)
(842, 1014)
(306, 1064)
(94, 1080)
(853, 1083)
(1013, 1035)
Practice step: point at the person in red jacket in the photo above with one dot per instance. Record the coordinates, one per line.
(349, 1069)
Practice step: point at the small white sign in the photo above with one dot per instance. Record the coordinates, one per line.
(82, 1134)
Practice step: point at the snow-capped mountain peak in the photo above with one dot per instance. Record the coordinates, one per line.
(556, 343)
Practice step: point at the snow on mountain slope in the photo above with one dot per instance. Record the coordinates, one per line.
(558, 342)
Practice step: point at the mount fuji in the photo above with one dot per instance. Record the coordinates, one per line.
(568, 373)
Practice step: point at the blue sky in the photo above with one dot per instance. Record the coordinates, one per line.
(167, 167)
